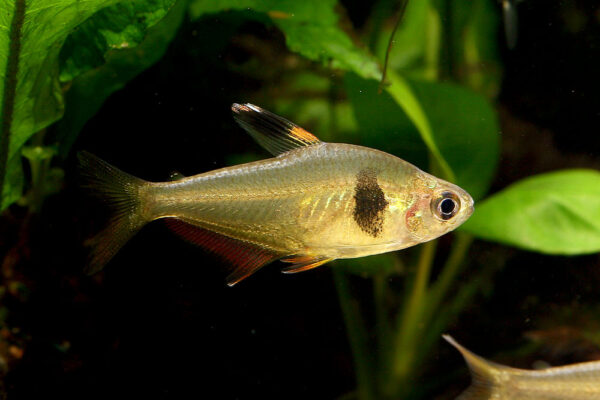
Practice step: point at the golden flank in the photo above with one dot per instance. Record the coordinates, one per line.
(497, 382)
(310, 204)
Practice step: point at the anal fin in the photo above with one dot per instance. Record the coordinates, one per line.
(304, 263)
(245, 257)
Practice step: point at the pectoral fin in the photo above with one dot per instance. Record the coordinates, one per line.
(303, 263)
(246, 258)
(274, 133)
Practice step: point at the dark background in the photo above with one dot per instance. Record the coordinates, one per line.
(159, 321)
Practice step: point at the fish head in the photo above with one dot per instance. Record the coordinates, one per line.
(435, 207)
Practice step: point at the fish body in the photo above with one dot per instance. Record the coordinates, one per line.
(498, 382)
(312, 203)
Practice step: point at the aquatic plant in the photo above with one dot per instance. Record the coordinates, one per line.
(61, 59)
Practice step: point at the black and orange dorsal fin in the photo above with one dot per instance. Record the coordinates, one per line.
(246, 258)
(276, 134)
(303, 263)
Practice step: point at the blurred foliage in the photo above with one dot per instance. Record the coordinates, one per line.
(61, 59)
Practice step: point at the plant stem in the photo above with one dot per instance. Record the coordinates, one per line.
(357, 337)
(410, 322)
(438, 292)
(451, 268)
(433, 44)
(382, 326)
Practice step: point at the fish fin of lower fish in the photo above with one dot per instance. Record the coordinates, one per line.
(303, 263)
(121, 191)
(276, 134)
(246, 258)
(483, 373)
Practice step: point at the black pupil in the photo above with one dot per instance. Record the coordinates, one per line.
(447, 206)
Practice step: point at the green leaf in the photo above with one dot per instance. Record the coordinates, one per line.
(31, 34)
(311, 29)
(553, 213)
(92, 86)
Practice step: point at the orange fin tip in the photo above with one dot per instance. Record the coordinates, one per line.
(304, 263)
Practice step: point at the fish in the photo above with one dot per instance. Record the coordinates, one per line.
(490, 380)
(312, 203)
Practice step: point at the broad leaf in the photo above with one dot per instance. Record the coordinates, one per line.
(554, 213)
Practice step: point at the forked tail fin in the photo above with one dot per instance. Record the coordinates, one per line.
(121, 192)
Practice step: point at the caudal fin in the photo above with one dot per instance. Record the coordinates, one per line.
(121, 192)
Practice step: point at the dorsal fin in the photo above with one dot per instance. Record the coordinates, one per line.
(245, 257)
(274, 133)
(304, 263)
(483, 373)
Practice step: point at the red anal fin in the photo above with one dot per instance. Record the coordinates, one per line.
(304, 263)
(246, 258)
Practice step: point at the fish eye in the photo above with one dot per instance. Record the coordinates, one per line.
(446, 205)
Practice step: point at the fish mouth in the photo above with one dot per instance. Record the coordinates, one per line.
(469, 200)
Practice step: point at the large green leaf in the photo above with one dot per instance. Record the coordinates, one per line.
(554, 213)
(120, 63)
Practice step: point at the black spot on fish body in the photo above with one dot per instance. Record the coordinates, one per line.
(370, 202)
